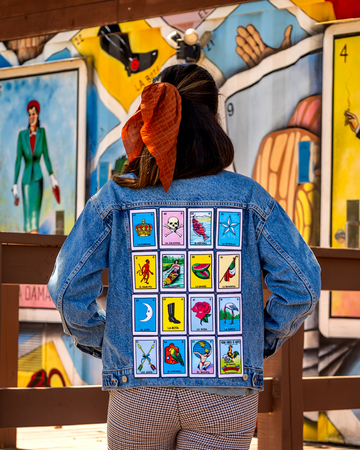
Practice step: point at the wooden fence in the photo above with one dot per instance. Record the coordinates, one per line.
(29, 259)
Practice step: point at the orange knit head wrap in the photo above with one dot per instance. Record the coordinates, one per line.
(156, 124)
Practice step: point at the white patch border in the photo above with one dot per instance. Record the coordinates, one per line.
(202, 332)
(230, 289)
(200, 247)
(212, 289)
(141, 291)
(228, 295)
(173, 332)
(229, 210)
(165, 246)
(139, 338)
(146, 247)
(227, 338)
(164, 289)
(205, 338)
(173, 375)
(147, 333)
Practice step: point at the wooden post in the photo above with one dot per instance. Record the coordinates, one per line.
(9, 336)
(283, 428)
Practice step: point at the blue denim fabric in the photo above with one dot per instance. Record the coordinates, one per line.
(101, 239)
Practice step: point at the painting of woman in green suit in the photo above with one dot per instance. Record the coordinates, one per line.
(31, 146)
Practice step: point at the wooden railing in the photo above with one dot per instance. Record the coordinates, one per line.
(28, 259)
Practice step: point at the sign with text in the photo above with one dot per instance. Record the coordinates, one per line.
(34, 296)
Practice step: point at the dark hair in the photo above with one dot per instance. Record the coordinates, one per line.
(203, 147)
(38, 120)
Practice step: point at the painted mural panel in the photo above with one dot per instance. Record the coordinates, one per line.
(39, 142)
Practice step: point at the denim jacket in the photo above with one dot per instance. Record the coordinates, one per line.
(185, 299)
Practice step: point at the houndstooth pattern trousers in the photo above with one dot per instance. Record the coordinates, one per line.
(168, 419)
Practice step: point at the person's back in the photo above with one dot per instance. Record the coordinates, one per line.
(184, 335)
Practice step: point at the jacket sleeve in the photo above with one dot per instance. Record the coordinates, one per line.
(292, 274)
(46, 153)
(18, 159)
(76, 283)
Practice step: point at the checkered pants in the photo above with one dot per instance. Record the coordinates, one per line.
(167, 419)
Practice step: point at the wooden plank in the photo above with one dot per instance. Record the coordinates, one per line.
(10, 8)
(9, 335)
(32, 239)
(339, 268)
(331, 393)
(34, 407)
(101, 12)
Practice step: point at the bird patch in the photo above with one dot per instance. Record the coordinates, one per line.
(230, 359)
(229, 314)
(174, 357)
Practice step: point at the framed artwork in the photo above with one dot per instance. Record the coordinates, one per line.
(339, 312)
(43, 146)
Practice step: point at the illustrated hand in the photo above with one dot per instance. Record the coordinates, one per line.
(251, 47)
(54, 181)
(15, 191)
(352, 120)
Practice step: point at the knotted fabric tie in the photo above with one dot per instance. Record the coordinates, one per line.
(156, 124)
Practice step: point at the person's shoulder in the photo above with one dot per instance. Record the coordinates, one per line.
(110, 196)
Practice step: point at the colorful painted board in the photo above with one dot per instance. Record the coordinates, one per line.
(172, 228)
(174, 359)
(201, 314)
(145, 314)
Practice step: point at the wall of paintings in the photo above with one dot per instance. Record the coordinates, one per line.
(291, 122)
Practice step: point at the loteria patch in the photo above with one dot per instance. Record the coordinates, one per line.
(202, 356)
(202, 314)
(229, 309)
(174, 357)
(172, 314)
(143, 229)
(146, 360)
(229, 228)
(173, 273)
(201, 228)
(201, 271)
(228, 271)
(145, 314)
(230, 357)
(144, 267)
(172, 228)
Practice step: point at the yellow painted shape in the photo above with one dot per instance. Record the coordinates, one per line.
(196, 282)
(327, 432)
(319, 10)
(112, 73)
(140, 281)
(50, 360)
(310, 430)
(346, 146)
(179, 314)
